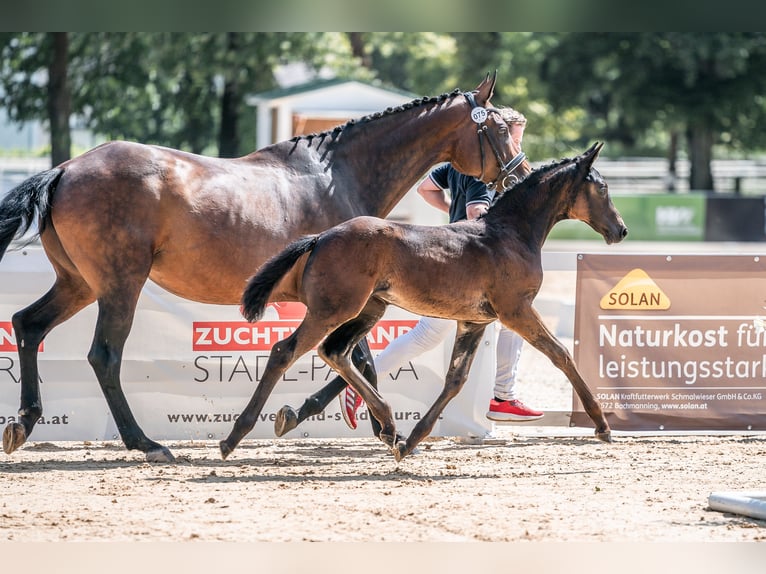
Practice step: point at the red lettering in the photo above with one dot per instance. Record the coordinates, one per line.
(8, 339)
(261, 336)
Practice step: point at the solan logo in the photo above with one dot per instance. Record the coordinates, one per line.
(636, 291)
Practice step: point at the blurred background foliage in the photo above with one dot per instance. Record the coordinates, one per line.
(694, 95)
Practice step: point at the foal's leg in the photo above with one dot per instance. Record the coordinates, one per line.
(67, 296)
(288, 418)
(283, 355)
(467, 341)
(336, 351)
(530, 326)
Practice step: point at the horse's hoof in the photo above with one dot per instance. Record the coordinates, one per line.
(287, 420)
(400, 450)
(605, 436)
(14, 436)
(225, 449)
(160, 454)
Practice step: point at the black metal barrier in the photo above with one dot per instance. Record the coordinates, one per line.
(735, 218)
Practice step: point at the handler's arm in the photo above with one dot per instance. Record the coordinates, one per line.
(434, 195)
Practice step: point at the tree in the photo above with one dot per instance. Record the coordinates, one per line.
(698, 84)
(35, 84)
(518, 57)
(421, 63)
(182, 90)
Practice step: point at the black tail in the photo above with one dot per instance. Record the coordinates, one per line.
(260, 285)
(17, 210)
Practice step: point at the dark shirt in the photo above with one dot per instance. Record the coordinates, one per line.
(463, 189)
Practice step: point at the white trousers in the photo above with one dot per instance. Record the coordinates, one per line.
(430, 331)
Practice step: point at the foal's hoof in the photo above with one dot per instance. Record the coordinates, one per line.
(287, 420)
(605, 436)
(14, 436)
(389, 440)
(159, 454)
(225, 449)
(400, 450)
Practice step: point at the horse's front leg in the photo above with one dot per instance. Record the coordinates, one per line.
(463, 352)
(530, 326)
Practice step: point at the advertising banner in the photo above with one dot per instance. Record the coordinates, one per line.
(673, 342)
(189, 369)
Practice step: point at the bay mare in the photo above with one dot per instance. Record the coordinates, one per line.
(197, 226)
(472, 271)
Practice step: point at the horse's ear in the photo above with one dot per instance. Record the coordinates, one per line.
(486, 89)
(592, 153)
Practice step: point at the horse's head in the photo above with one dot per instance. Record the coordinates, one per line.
(498, 160)
(592, 203)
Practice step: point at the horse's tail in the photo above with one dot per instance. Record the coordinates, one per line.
(17, 210)
(260, 285)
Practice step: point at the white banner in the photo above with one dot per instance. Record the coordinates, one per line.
(190, 368)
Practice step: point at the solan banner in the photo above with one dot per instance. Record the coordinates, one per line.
(673, 342)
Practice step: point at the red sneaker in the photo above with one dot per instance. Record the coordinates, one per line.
(513, 410)
(350, 402)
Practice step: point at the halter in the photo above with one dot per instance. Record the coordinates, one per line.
(479, 115)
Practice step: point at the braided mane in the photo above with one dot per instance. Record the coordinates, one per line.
(335, 132)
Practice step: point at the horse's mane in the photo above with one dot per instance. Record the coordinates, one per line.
(335, 132)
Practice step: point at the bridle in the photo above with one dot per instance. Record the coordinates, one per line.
(479, 115)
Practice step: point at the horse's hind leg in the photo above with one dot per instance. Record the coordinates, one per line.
(115, 318)
(467, 341)
(67, 296)
(288, 418)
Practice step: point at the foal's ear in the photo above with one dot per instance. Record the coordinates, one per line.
(486, 89)
(590, 156)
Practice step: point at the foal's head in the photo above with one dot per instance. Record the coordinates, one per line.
(567, 189)
(590, 199)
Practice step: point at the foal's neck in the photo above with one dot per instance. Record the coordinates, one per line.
(531, 211)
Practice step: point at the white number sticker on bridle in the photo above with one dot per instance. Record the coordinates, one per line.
(479, 115)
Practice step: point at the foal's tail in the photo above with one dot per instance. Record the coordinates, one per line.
(260, 285)
(17, 209)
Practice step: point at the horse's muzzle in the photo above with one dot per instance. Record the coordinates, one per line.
(616, 236)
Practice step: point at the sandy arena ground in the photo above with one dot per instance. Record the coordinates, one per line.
(351, 490)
